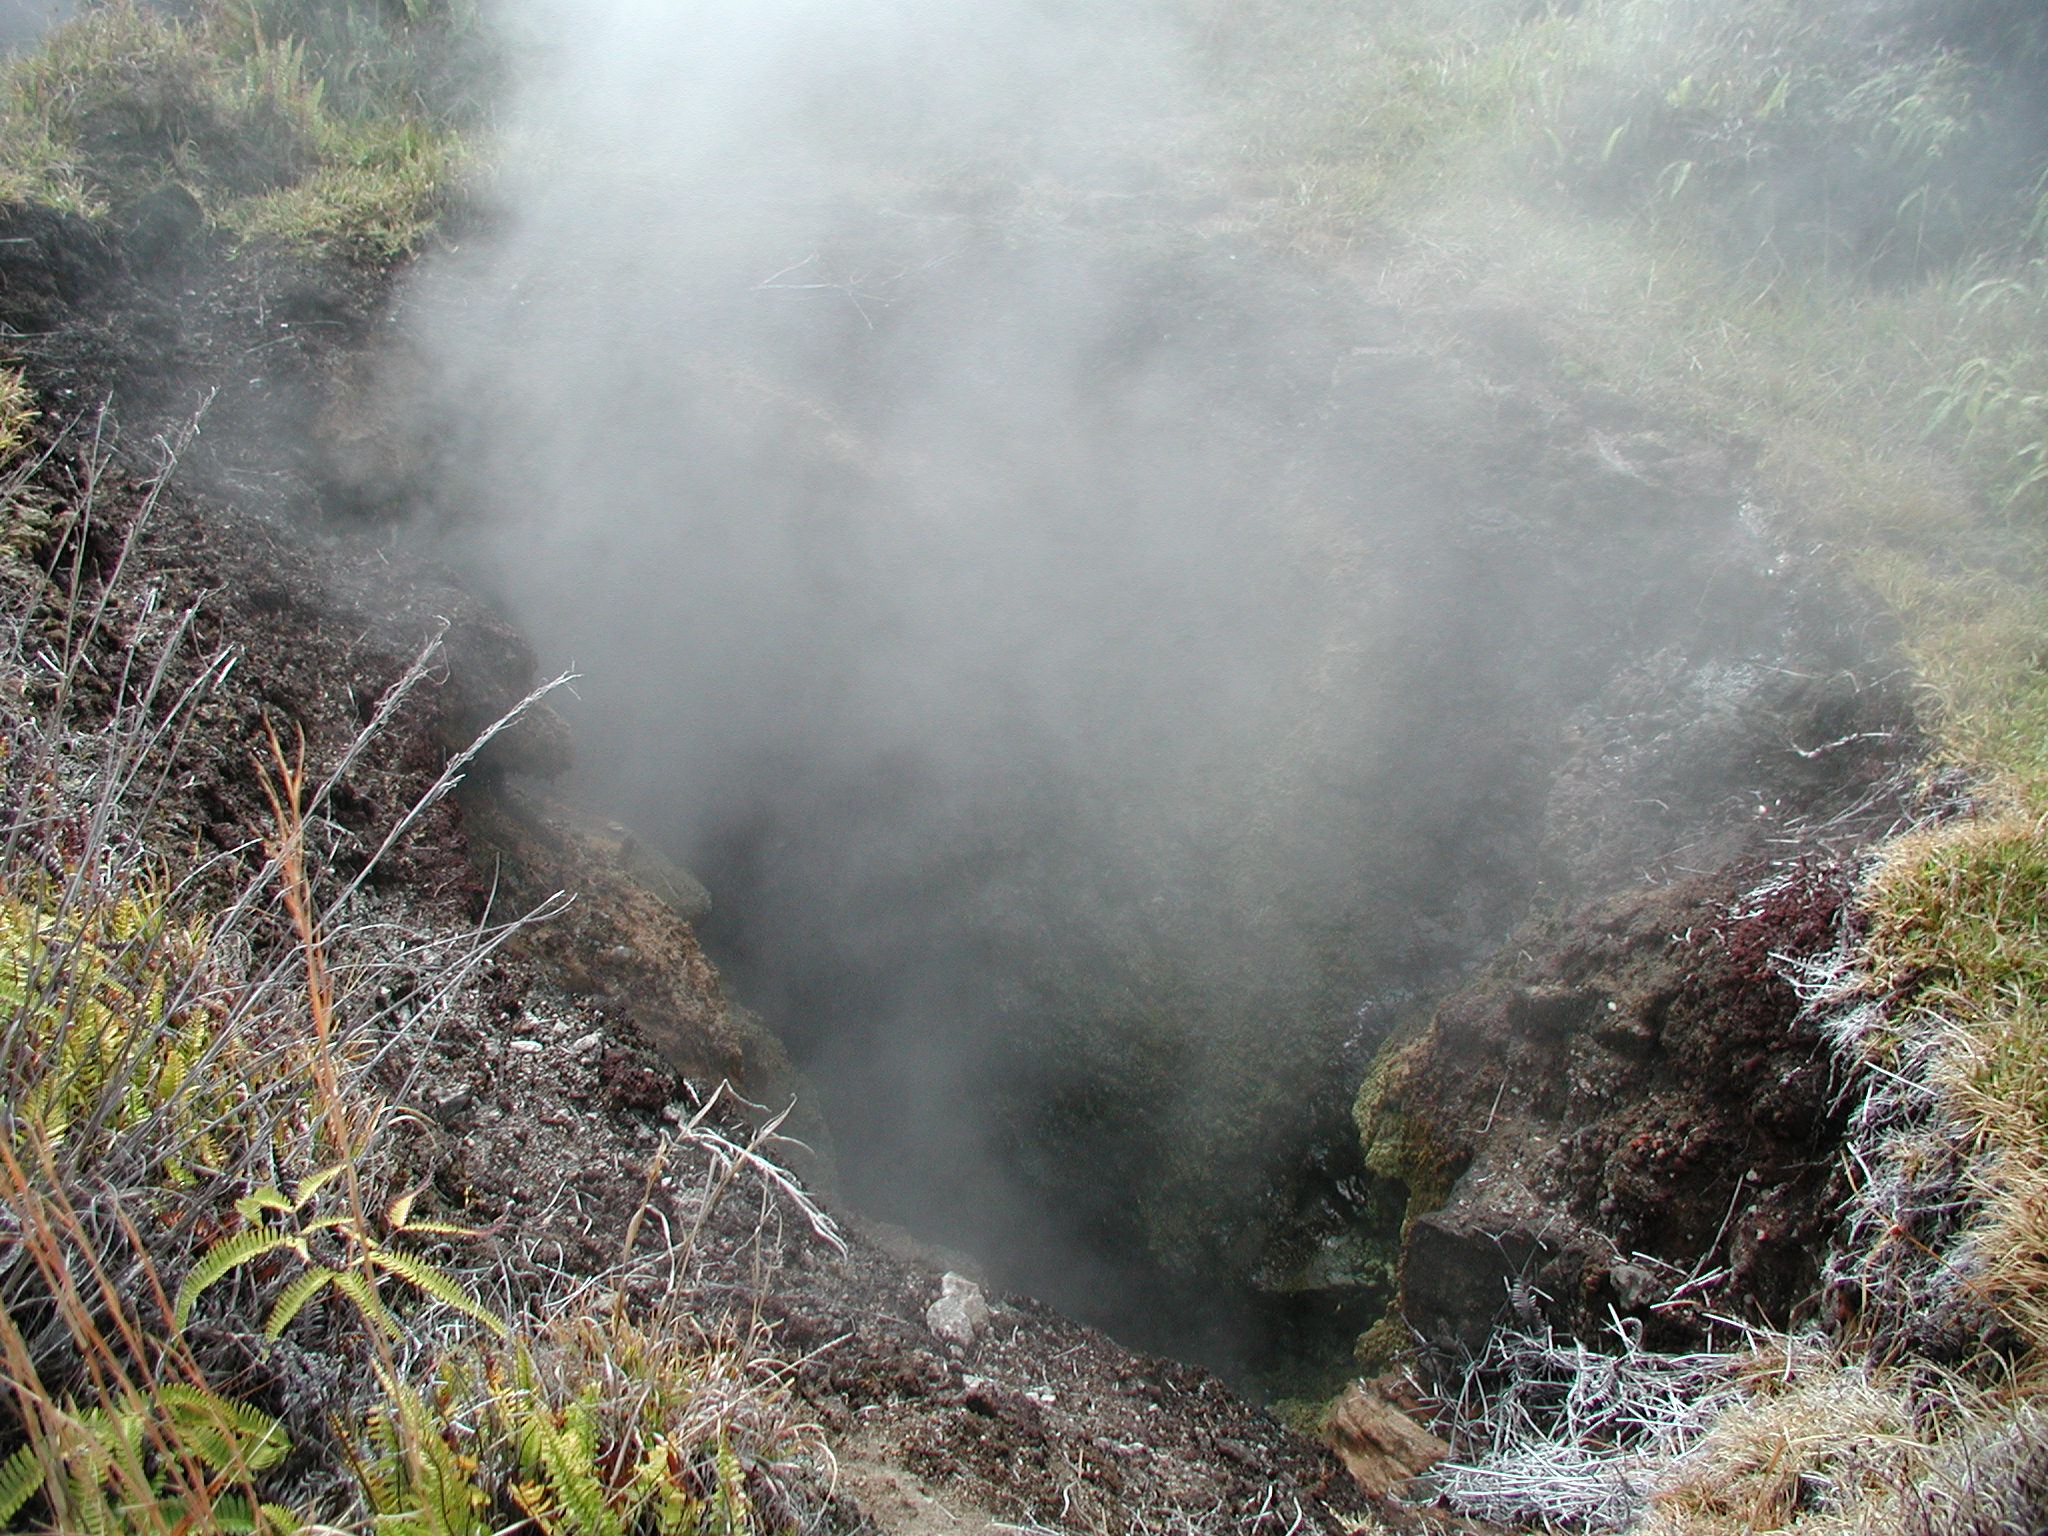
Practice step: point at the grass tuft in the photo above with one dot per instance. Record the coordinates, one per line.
(333, 128)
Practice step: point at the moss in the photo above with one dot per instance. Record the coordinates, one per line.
(1398, 1144)
(1305, 1416)
(1381, 1345)
(1395, 1141)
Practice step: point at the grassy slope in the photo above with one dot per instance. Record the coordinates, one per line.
(1758, 217)
(313, 123)
(194, 1153)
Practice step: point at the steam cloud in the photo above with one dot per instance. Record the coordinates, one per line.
(1034, 612)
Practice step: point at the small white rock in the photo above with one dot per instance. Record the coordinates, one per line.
(586, 1043)
(527, 1047)
(960, 1316)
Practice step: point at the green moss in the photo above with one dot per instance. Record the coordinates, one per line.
(1383, 1344)
(1305, 1416)
(1398, 1144)
(1395, 1142)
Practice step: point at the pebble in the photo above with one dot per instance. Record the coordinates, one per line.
(527, 1047)
(960, 1316)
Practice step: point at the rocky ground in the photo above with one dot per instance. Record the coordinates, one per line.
(569, 1095)
(1624, 1115)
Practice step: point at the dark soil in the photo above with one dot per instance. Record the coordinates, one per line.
(1626, 1111)
(554, 1102)
(1630, 1116)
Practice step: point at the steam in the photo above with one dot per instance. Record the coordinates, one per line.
(1039, 616)
(22, 22)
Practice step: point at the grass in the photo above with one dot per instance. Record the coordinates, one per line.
(1748, 216)
(1960, 928)
(180, 1046)
(1737, 214)
(334, 129)
(1821, 239)
(378, 204)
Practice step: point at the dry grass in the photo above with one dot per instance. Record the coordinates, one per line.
(1938, 1009)
(1616, 175)
(17, 414)
(175, 1050)
(1816, 1442)
(1959, 922)
(1555, 1432)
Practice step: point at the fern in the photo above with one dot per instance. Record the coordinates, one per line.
(360, 1289)
(668, 1458)
(115, 1007)
(443, 1287)
(293, 1298)
(416, 1481)
(21, 1474)
(370, 1252)
(230, 1253)
(116, 1465)
(227, 1436)
(569, 1454)
(232, 1513)
(264, 1197)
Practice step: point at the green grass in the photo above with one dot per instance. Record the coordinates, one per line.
(1742, 215)
(376, 200)
(1749, 217)
(328, 127)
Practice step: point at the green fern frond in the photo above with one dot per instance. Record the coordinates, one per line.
(437, 1228)
(444, 1288)
(226, 1435)
(356, 1286)
(400, 1208)
(735, 1509)
(563, 1490)
(415, 1480)
(264, 1197)
(380, 1471)
(313, 1183)
(21, 1474)
(228, 1254)
(231, 1512)
(292, 1300)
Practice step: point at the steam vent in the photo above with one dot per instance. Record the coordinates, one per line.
(894, 767)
